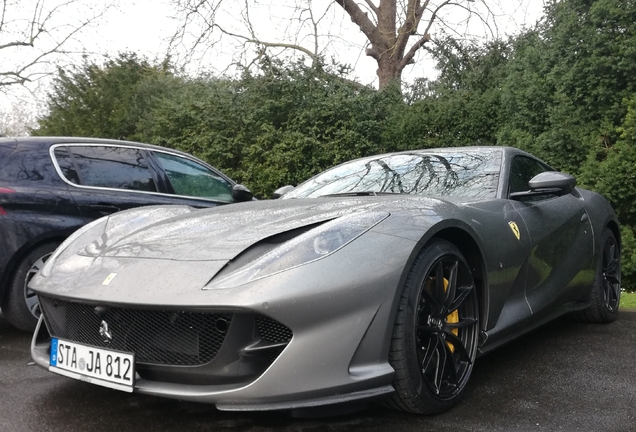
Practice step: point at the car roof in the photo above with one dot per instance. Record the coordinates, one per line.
(506, 151)
(49, 141)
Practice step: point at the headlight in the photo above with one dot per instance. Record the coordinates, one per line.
(96, 226)
(308, 247)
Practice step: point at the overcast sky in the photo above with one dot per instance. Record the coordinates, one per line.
(145, 27)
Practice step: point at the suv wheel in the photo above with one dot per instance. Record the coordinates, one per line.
(20, 304)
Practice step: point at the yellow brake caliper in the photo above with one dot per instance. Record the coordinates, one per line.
(452, 318)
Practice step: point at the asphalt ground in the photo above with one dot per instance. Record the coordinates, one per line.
(565, 376)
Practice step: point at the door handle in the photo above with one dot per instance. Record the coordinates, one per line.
(104, 208)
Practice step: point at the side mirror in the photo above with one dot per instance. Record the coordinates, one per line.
(548, 183)
(240, 193)
(282, 191)
(553, 180)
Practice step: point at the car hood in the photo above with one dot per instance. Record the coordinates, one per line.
(131, 256)
(219, 234)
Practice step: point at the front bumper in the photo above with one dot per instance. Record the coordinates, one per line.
(340, 310)
(234, 385)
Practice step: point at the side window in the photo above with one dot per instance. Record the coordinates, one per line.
(63, 159)
(522, 170)
(111, 167)
(190, 178)
(28, 164)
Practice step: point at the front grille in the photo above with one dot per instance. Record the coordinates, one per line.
(156, 337)
(273, 331)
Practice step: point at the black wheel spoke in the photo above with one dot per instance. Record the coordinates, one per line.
(609, 250)
(610, 277)
(464, 292)
(612, 280)
(440, 292)
(450, 365)
(440, 367)
(611, 294)
(611, 269)
(460, 349)
(429, 353)
(462, 324)
(427, 299)
(451, 288)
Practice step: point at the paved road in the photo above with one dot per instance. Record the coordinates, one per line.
(563, 377)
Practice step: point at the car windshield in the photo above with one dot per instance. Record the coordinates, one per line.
(453, 172)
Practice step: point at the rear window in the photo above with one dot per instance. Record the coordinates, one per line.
(5, 150)
(106, 166)
(6, 147)
(26, 163)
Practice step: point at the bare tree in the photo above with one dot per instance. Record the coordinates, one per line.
(398, 29)
(35, 33)
(395, 31)
(17, 120)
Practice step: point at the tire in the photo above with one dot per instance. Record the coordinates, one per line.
(605, 294)
(435, 336)
(20, 304)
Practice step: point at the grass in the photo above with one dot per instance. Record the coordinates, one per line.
(628, 300)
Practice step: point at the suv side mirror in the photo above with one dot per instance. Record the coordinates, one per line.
(282, 191)
(240, 193)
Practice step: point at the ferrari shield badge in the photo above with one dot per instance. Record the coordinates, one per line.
(109, 279)
(515, 229)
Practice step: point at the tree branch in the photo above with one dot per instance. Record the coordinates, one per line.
(362, 21)
(373, 7)
(414, 14)
(268, 44)
(409, 56)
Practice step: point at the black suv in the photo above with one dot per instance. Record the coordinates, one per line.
(49, 187)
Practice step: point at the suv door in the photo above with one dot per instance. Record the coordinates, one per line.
(108, 178)
(191, 180)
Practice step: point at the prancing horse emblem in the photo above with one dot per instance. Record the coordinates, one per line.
(106, 335)
(515, 230)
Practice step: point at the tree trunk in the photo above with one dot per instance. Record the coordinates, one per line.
(388, 70)
(388, 43)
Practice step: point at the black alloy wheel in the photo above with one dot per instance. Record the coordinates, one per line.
(611, 274)
(605, 294)
(436, 333)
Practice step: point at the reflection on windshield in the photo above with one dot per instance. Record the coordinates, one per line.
(462, 173)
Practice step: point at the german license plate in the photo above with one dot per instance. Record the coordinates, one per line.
(99, 366)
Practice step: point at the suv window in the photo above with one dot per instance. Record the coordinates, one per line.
(105, 166)
(522, 170)
(190, 178)
(26, 163)
(63, 159)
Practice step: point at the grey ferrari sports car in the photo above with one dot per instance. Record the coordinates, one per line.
(382, 278)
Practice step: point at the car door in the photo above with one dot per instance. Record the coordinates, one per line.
(190, 180)
(108, 178)
(558, 266)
